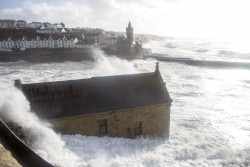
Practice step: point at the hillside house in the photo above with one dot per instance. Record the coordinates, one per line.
(35, 24)
(91, 38)
(117, 106)
(7, 23)
(21, 24)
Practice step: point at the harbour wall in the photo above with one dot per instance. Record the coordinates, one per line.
(204, 63)
(47, 55)
(20, 151)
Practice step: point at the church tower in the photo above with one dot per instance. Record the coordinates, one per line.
(129, 33)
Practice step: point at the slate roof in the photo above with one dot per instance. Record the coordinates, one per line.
(53, 100)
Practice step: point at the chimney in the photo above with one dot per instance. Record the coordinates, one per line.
(18, 83)
(157, 67)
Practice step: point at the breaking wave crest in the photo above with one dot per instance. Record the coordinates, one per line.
(42, 139)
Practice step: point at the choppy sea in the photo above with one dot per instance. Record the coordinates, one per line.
(210, 114)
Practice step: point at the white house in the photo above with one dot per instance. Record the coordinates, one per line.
(35, 25)
(6, 44)
(60, 30)
(47, 31)
(110, 41)
(7, 23)
(48, 25)
(41, 43)
(38, 43)
(21, 24)
(51, 30)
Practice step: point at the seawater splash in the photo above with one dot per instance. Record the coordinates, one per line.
(209, 106)
(109, 65)
(201, 49)
(43, 140)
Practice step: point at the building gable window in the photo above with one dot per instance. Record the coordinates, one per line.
(137, 129)
(103, 128)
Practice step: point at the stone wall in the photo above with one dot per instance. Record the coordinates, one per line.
(20, 151)
(47, 55)
(153, 120)
(6, 158)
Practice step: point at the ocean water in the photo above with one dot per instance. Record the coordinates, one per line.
(202, 49)
(210, 114)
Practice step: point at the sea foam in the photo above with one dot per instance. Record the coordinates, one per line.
(42, 139)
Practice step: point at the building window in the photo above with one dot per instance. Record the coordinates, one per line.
(103, 128)
(137, 129)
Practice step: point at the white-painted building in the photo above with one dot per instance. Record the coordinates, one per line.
(51, 30)
(48, 25)
(60, 30)
(42, 43)
(6, 44)
(56, 25)
(21, 24)
(7, 23)
(47, 31)
(38, 43)
(35, 25)
(111, 41)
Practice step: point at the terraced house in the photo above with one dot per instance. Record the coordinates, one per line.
(117, 106)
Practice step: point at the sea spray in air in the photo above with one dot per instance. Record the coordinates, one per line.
(110, 65)
(43, 140)
(210, 108)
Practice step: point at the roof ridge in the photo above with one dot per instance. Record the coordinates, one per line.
(95, 77)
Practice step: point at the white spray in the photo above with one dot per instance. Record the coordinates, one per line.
(14, 107)
(110, 65)
(43, 140)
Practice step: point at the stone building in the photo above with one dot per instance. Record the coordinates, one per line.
(117, 106)
(127, 46)
(91, 38)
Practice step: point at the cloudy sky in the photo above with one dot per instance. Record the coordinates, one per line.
(177, 18)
